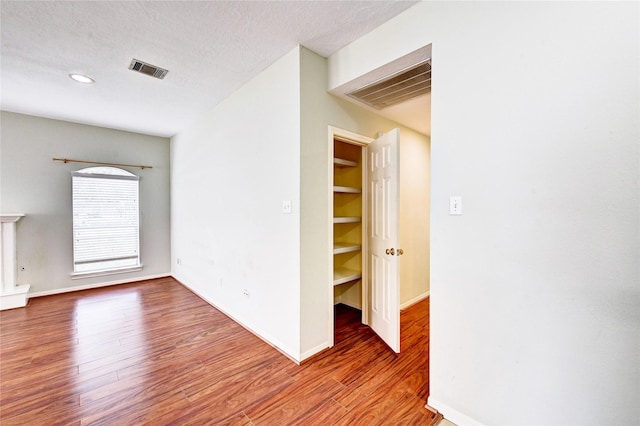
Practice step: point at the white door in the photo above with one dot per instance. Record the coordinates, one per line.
(384, 308)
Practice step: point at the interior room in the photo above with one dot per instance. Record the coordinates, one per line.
(516, 210)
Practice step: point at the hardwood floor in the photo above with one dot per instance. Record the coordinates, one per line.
(154, 353)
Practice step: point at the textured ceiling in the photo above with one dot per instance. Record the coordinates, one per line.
(210, 48)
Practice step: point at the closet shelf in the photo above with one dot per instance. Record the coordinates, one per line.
(344, 275)
(339, 248)
(346, 219)
(341, 162)
(347, 190)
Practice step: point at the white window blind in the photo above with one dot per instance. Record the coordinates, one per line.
(105, 220)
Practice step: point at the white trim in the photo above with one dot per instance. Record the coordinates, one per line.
(364, 238)
(330, 288)
(351, 305)
(97, 285)
(311, 352)
(451, 414)
(256, 331)
(346, 134)
(16, 298)
(415, 300)
(11, 217)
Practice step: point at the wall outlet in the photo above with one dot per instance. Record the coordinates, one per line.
(245, 292)
(286, 207)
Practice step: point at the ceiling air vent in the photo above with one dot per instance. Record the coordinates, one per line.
(396, 88)
(148, 69)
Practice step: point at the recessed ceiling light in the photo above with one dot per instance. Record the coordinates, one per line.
(81, 78)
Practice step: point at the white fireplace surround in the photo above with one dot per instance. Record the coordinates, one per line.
(12, 295)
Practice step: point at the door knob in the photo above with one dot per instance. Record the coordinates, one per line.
(400, 252)
(390, 251)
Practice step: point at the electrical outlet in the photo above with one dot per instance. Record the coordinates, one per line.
(245, 292)
(179, 261)
(286, 206)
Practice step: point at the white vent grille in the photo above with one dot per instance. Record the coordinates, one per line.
(396, 88)
(148, 69)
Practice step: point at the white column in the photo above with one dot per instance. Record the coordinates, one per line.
(12, 295)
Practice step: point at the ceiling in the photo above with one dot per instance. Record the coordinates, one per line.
(210, 48)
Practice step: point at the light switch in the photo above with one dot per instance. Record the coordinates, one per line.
(455, 205)
(286, 206)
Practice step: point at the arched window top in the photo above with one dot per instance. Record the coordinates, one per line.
(104, 170)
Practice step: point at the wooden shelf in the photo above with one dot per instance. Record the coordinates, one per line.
(339, 248)
(346, 219)
(341, 162)
(347, 203)
(347, 190)
(344, 275)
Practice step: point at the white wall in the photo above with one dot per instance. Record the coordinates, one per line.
(315, 252)
(34, 184)
(231, 171)
(318, 111)
(535, 289)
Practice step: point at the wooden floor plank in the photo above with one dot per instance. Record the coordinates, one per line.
(294, 403)
(154, 353)
(327, 414)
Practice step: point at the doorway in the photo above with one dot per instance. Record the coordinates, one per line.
(349, 223)
(355, 262)
(347, 187)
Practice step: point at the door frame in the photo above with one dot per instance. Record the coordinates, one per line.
(363, 142)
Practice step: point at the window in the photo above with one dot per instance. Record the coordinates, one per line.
(105, 221)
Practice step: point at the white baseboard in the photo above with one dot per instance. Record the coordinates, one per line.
(18, 297)
(414, 300)
(96, 285)
(256, 331)
(351, 305)
(311, 352)
(451, 414)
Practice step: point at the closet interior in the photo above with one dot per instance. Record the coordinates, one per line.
(347, 224)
